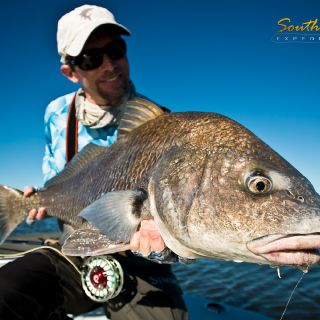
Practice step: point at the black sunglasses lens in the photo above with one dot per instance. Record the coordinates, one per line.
(90, 60)
(116, 49)
(93, 59)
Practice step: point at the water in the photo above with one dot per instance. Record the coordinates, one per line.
(243, 285)
(254, 287)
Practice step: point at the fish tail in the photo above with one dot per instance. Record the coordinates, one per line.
(11, 200)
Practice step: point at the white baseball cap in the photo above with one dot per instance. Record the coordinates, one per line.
(75, 27)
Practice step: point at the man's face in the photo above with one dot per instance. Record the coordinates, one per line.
(106, 84)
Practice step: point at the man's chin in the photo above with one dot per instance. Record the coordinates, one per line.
(112, 98)
(112, 93)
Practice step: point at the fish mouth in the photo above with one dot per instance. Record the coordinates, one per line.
(288, 249)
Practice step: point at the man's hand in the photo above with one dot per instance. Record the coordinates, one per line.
(147, 239)
(34, 214)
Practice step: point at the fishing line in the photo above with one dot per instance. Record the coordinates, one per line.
(279, 273)
(295, 287)
(21, 254)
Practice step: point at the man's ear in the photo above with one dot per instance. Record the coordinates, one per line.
(69, 73)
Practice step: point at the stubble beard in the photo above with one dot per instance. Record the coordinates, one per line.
(113, 97)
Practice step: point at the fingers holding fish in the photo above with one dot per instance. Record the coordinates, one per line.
(28, 191)
(31, 217)
(34, 214)
(147, 239)
(156, 241)
(41, 214)
(134, 242)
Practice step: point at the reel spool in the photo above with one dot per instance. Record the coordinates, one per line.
(102, 278)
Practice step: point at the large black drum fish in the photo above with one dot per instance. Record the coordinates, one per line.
(213, 188)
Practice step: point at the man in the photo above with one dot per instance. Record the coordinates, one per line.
(43, 285)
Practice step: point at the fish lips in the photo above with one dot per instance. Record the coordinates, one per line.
(288, 249)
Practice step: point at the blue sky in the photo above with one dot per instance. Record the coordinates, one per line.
(203, 55)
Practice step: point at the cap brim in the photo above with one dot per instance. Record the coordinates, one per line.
(77, 44)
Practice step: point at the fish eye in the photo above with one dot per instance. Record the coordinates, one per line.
(259, 184)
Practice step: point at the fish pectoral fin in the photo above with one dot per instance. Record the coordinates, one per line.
(88, 242)
(116, 214)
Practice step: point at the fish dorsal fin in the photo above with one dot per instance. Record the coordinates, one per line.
(88, 153)
(138, 112)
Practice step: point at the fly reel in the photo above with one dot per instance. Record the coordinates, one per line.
(102, 278)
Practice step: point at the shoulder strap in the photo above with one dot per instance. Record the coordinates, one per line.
(72, 131)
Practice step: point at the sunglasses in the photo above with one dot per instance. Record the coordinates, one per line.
(93, 58)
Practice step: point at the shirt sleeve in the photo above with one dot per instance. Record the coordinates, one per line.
(49, 167)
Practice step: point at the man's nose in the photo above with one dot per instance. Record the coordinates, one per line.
(107, 63)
